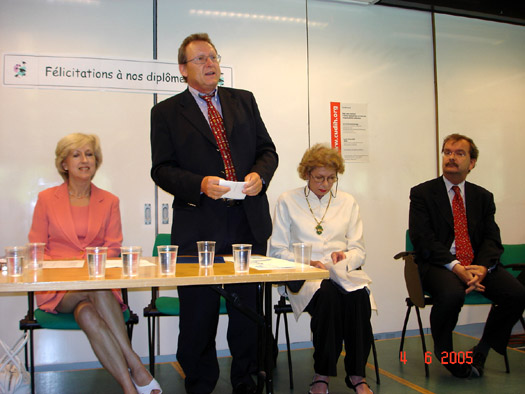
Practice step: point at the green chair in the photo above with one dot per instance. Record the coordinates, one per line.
(163, 306)
(37, 319)
(513, 259)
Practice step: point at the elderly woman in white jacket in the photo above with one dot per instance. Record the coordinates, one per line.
(340, 306)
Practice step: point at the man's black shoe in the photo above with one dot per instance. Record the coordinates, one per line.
(478, 362)
(243, 388)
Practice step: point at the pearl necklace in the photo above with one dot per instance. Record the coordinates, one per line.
(318, 229)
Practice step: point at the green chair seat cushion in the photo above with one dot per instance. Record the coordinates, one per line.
(171, 306)
(476, 298)
(472, 298)
(168, 305)
(62, 321)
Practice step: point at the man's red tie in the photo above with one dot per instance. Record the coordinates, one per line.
(217, 127)
(464, 252)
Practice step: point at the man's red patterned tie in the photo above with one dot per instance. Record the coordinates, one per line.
(217, 127)
(464, 252)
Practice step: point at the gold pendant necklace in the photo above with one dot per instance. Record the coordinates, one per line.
(318, 229)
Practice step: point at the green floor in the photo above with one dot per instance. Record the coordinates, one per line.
(395, 376)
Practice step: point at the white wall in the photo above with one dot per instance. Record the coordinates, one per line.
(32, 122)
(481, 84)
(379, 56)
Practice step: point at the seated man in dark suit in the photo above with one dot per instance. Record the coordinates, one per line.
(458, 247)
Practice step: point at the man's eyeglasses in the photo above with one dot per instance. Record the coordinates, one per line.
(321, 179)
(202, 59)
(458, 153)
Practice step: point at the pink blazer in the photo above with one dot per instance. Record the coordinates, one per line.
(53, 224)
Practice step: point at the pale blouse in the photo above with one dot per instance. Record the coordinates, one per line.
(342, 231)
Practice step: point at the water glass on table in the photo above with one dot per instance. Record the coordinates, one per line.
(302, 253)
(96, 261)
(206, 251)
(130, 256)
(167, 258)
(241, 257)
(35, 255)
(15, 256)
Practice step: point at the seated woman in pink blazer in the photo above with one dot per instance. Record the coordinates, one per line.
(68, 218)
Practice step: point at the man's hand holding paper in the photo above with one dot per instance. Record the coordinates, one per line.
(235, 192)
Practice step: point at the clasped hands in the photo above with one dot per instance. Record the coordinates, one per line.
(472, 275)
(210, 186)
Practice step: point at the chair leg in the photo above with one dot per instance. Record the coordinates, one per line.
(130, 331)
(277, 328)
(151, 344)
(507, 366)
(31, 361)
(407, 315)
(26, 355)
(376, 363)
(290, 371)
(422, 340)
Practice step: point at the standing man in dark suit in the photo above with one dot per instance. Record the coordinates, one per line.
(194, 146)
(455, 257)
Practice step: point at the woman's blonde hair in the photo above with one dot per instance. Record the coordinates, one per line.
(74, 141)
(320, 155)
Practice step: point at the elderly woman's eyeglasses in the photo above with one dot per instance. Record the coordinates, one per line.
(321, 179)
(202, 59)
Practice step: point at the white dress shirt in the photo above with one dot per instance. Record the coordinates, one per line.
(342, 231)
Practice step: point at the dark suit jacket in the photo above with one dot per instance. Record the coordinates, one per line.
(184, 151)
(431, 224)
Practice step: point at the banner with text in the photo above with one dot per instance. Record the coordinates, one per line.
(349, 131)
(88, 73)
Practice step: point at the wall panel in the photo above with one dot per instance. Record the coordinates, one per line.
(265, 44)
(33, 120)
(381, 57)
(481, 81)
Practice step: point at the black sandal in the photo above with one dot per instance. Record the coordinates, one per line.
(318, 381)
(354, 386)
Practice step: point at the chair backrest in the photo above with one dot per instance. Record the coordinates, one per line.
(513, 254)
(409, 247)
(413, 282)
(412, 278)
(161, 239)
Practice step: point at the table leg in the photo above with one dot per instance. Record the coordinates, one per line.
(261, 341)
(31, 317)
(268, 337)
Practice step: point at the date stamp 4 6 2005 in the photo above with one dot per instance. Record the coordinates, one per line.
(446, 357)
